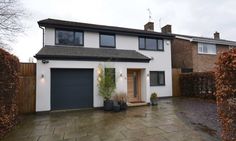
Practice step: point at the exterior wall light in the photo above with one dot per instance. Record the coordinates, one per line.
(167, 42)
(121, 75)
(98, 71)
(42, 80)
(45, 61)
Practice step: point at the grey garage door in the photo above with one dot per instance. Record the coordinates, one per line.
(71, 88)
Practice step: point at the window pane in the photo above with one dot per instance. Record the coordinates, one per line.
(161, 78)
(107, 40)
(153, 78)
(78, 38)
(160, 45)
(206, 48)
(211, 49)
(200, 48)
(64, 37)
(151, 44)
(142, 43)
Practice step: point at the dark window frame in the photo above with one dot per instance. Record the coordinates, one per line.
(145, 48)
(104, 46)
(56, 29)
(158, 83)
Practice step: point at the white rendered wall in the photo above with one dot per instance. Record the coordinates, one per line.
(91, 39)
(43, 84)
(49, 36)
(161, 62)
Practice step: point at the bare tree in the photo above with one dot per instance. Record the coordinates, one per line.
(11, 15)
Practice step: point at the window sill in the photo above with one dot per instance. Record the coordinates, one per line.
(82, 45)
(206, 53)
(107, 47)
(157, 85)
(151, 50)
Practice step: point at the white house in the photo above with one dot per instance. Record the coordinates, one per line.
(68, 64)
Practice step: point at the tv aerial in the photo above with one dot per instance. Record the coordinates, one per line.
(149, 14)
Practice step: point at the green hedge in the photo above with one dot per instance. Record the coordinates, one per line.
(9, 82)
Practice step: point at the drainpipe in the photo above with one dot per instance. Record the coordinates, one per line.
(43, 34)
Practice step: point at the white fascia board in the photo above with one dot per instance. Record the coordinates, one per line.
(184, 38)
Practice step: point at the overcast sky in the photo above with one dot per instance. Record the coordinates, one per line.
(191, 17)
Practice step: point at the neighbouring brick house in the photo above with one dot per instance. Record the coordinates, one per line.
(196, 54)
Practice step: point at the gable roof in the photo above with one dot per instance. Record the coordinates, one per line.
(206, 40)
(90, 54)
(54, 23)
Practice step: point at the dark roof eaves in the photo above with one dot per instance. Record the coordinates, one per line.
(77, 58)
(208, 40)
(109, 29)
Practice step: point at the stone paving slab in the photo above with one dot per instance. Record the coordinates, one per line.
(147, 123)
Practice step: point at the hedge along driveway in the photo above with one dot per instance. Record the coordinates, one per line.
(226, 93)
(169, 121)
(9, 82)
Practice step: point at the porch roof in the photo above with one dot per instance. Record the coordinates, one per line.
(90, 54)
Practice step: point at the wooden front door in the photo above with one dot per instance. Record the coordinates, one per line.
(134, 85)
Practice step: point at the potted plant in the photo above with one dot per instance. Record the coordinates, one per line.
(106, 88)
(154, 98)
(121, 98)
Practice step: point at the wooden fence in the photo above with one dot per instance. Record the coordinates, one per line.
(26, 98)
(175, 81)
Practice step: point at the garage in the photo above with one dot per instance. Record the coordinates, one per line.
(71, 89)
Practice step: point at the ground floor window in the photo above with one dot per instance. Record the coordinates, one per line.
(157, 78)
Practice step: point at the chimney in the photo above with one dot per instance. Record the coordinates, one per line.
(166, 29)
(149, 26)
(216, 35)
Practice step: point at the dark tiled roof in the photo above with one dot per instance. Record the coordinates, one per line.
(208, 40)
(90, 54)
(54, 23)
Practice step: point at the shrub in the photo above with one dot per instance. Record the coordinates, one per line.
(198, 84)
(153, 96)
(9, 82)
(106, 84)
(226, 94)
(121, 97)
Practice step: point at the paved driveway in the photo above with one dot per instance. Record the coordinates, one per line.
(172, 120)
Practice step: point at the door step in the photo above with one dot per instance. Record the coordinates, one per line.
(134, 104)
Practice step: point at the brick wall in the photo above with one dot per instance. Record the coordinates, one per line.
(205, 62)
(185, 55)
(181, 52)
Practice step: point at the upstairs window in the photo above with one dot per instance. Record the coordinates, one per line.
(107, 40)
(151, 44)
(204, 48)
(157, 78)
(69, 37)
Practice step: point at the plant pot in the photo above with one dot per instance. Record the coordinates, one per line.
(123, 105)
(116, 106)
(108, 105)
(154, 101)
